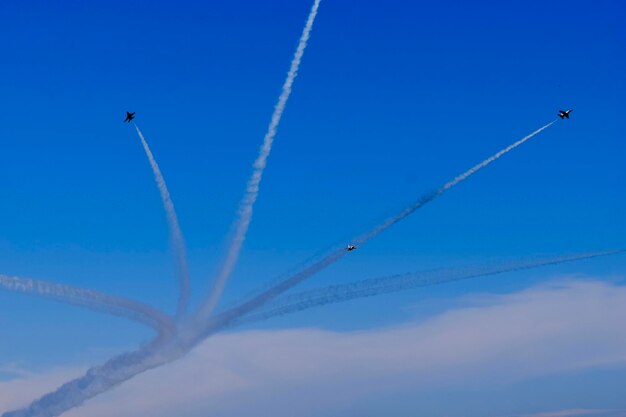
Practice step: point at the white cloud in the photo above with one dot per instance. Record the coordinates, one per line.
(569, 413)
(26, 386)
(545, 330)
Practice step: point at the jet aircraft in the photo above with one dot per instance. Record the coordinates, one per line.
(350, 248)
(129, 116)
(564, 114)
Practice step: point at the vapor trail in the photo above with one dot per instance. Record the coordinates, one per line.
(273, 292)
(441, 190)
(378, 286)
(176, 235)
(95, 381)
(91, 299)
(123, 367)
(244, 215)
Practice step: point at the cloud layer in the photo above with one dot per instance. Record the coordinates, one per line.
(493, 340)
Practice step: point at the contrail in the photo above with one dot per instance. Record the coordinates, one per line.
(293, 280)
(441, 190)
(95, 381)
(373, 287)
(123, 367)
(176, 235)
(244, 216)
(91, 299)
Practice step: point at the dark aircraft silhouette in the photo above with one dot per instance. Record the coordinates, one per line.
(564, 114)
(129, 116)
(350, 248)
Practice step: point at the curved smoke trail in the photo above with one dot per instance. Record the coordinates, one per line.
(252, 190)
(124, 367)
(91, 299)
(378, 286)
(176, 235)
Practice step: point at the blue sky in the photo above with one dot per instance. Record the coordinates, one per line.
(391, 100)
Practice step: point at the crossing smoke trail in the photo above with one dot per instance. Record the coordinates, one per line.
(176, 235)
(378, 286)
(252, 190)
(288, 283)
(91, 299)
(124, 367)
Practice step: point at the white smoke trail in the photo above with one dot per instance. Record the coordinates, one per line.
(123, 367)
(95, 381)
(378, 286)
(447, 186)
(126, 366)
(176, 235)
(288, 283)
(91, 299)
(252, 190)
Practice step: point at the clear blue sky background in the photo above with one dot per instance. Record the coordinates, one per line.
(392, 99)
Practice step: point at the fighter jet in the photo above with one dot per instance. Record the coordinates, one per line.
(350, 248)
(564, 114)
(129, 116)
